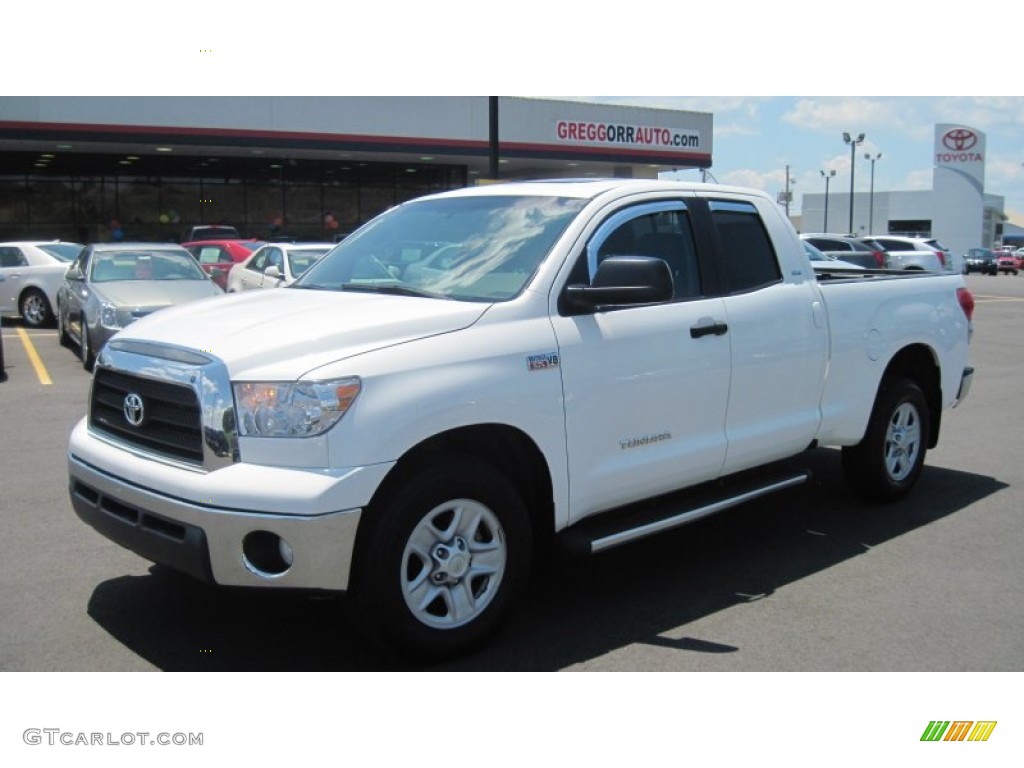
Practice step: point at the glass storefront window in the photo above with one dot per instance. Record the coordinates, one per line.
(159, 198)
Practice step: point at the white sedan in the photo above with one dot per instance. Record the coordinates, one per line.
(274, 265)
(31, 273)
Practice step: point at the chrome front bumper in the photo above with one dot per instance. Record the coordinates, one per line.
(206, 541)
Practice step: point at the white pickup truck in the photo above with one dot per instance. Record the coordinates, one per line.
(476, 374)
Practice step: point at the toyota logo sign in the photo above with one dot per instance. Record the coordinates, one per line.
(134, 409)
(959, 139)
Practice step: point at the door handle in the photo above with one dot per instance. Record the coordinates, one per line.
(709, 329)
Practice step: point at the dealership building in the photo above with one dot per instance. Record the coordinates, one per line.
(956, 210)
(94, 168)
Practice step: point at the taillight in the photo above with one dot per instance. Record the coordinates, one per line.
(879, 258)
(942, 258)
(966, 302)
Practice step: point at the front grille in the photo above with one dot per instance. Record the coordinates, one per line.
(171, 417)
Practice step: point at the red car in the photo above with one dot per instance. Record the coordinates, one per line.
(216, 257)
(1007, 261)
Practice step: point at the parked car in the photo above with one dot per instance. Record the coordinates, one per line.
(210, 232)
(821, 260)
(980, 260)
(924, 253)
(30, 276)
(217, 257)
(851, 249)
(110, 285)
(1007, 263)
(274, 265)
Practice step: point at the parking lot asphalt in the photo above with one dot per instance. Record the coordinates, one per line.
(810, 580)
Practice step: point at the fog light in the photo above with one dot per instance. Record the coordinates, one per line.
(266, 554)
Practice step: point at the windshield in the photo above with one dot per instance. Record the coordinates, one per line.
(109, 266)
(466, 248)
(301, 260)
(815, 255)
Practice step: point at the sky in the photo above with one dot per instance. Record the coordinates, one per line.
(757, 137)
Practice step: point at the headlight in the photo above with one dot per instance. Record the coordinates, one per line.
(299, 409)
(108, 316)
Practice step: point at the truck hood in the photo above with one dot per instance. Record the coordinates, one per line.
(282, 334)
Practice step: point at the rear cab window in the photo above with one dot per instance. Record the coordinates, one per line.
(747, 257)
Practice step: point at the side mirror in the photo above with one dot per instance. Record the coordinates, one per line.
(273, 272)
(622, 281)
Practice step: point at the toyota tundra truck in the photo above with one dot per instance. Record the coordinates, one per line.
(481, 375)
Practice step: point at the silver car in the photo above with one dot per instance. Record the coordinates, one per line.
(31, 273)
(110, 285)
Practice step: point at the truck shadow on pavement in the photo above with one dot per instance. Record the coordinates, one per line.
(575, 611)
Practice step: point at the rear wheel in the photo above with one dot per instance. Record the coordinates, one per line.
(885, 465)
(442, 559)
(35, 309)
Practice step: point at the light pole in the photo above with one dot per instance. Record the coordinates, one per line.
(787, 196)
(853, 142)
(828, 177)
(871, 196)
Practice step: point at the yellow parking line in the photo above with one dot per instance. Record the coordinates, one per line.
(33, 356)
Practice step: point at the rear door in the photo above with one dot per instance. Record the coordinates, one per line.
(12, 268)
(778, 338)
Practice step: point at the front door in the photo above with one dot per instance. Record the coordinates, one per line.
(645, 387)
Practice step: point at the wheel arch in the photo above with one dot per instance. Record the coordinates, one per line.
(507, 448)
(919, 363)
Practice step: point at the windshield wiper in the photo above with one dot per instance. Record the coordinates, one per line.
(391, 289)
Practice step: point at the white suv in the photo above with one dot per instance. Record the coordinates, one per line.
(915, 253)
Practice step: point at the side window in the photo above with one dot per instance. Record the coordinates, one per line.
(10, 256)
(259, 262)
(748, 259)
(654, 229)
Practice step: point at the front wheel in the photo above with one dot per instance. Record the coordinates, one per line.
(85, 352)
(62, 331)
(885, 465)
(442, 559)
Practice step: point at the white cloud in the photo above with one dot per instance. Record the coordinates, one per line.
(832, 113)
(735, 129)
(747, 177)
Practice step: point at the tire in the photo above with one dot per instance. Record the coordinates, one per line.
(886, 464)
(34, 308)
(85, 349)
(442, 559)
(62, 332)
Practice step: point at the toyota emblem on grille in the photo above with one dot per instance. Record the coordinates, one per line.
(134, 409)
